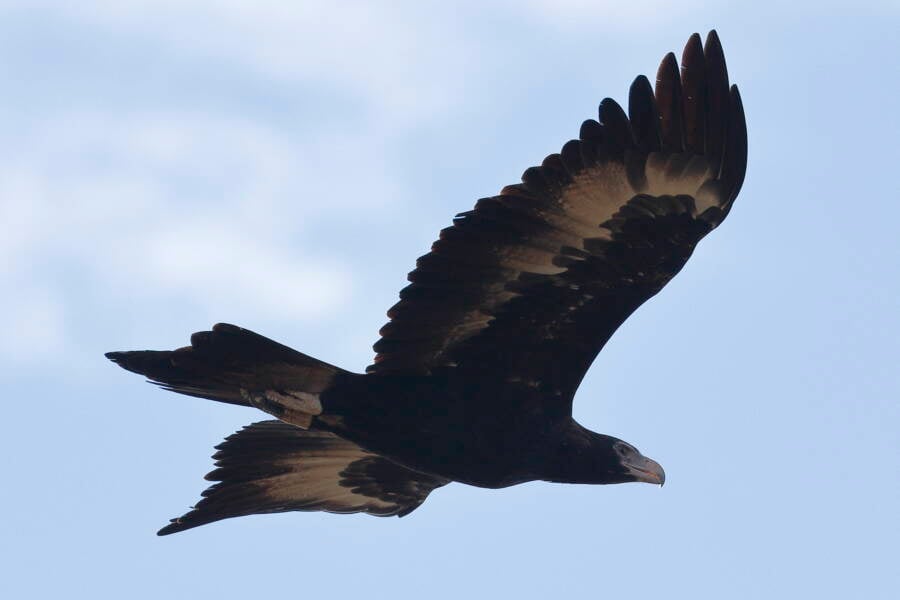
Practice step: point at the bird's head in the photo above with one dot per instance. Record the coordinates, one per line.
(630, 465)
(588, 457)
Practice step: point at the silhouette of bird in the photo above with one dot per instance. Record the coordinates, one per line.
(476, 370)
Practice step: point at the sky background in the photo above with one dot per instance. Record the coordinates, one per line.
(169, 165)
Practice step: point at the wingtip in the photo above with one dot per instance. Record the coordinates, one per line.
(615, 122)
(740, 117)
(735, 168)
(174, 526)
(590, 129)
(640, 82)
(693, 50)
(611, 114)
(116, 357)
(713, 47)
(608, 105)
(668, 65)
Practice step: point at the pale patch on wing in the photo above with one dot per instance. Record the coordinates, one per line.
(476, 320)
(548, 269)
(316, 482)
(532, 383)
(596, 193)
(339, 478)
(291, 406)
(301, 401)
(568, 219)
(681, 174)
(271, 467)
(593, 197)
(529, 259)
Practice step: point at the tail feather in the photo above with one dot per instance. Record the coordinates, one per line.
(271, 467)
(234, 365)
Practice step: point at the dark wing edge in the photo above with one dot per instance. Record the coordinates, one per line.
(272, 467)
(551, 267)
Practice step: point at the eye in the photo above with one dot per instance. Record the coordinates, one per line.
(623, 449)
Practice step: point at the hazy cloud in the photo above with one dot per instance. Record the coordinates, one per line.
(385, 53)
(173, 203)
(166, 201)
(159, 208)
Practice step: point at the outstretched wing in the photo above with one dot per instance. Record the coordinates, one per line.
(271, 467)
(531, 284)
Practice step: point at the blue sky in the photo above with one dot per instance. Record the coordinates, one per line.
(169, 165)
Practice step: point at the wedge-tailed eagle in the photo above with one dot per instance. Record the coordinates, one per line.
(476, 370)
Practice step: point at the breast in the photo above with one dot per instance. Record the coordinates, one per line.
(479, 432)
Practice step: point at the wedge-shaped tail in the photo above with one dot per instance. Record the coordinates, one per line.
(234, 365)
(271, 467)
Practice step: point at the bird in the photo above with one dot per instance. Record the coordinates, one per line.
(476, 370)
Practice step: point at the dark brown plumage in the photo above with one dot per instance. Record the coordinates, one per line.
(476, 370)
(272, 466)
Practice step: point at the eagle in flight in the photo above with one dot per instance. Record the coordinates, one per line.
(475, 372)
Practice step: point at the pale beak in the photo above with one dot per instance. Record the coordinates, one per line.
(645, 469)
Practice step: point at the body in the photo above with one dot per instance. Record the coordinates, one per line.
(488, 434)
(476, 371)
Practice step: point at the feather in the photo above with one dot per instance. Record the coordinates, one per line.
(668, 99)
(271, 466)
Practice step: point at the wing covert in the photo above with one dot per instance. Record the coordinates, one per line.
(271, 467)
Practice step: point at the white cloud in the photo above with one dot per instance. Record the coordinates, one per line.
(391, 54)
(605, 15)
(161, 209)
(238, 270)
(172, 206)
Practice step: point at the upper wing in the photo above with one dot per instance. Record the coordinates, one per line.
(532, 283)
(271, 466)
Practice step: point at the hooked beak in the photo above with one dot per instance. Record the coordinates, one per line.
(645, 469)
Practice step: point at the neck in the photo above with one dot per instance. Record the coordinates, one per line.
(582, 456)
